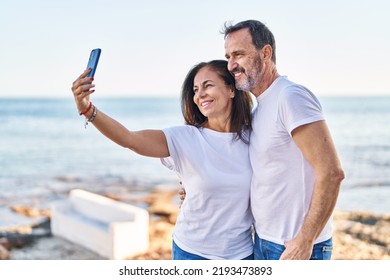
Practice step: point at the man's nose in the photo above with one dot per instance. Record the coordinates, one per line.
(231, 64)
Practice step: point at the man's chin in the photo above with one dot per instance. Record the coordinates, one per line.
(243, 86)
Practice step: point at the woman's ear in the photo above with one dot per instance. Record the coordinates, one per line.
(232, 91)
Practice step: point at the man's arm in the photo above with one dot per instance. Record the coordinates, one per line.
(315, 142)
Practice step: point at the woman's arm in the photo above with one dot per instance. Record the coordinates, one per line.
(151, 143)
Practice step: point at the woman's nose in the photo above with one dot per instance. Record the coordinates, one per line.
(200, 92)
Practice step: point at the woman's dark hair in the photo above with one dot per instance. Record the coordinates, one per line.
(260, 33)
(240, 118)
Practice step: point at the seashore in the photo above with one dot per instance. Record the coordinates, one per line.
(358, 235)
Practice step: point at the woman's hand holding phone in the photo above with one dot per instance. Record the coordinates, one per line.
(82, 87)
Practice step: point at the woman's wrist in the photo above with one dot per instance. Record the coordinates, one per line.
(90, 116)
(87, 110)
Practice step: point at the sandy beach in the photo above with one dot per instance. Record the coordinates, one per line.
(358, 235)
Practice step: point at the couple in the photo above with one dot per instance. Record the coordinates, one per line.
(288, 176)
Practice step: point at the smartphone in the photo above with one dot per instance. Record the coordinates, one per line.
(93, 61)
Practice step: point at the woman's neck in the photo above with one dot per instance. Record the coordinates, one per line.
(217, 125)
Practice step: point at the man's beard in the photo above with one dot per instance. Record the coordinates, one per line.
(252, 77)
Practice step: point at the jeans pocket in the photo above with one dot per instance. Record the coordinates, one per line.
(273, 251)
(327, 252)
(321, 253)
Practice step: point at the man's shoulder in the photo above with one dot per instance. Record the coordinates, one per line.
(290, 86)
(292, 91)
(282, 86)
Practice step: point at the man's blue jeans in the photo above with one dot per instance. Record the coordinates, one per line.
(266, 250)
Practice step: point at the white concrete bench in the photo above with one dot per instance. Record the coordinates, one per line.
(112, 229)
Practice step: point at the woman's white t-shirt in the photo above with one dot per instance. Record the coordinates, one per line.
(215, 220)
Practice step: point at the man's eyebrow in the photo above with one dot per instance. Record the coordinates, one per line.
(236, 52)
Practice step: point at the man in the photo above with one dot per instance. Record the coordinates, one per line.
(296, 170)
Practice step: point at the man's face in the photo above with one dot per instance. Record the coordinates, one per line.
(244, 61)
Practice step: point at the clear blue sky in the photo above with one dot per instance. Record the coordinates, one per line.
(335, 47)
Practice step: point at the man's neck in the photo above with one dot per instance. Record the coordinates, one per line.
(270, 75)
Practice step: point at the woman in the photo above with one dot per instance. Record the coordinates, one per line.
(210, 154)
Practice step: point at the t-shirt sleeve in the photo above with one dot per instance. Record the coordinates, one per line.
(172, 162)
(298, 106)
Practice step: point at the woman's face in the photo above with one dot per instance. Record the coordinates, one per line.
(212, 96)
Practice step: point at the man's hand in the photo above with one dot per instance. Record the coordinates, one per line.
(297, 249)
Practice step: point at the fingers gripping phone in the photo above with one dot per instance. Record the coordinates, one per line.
(93, 61)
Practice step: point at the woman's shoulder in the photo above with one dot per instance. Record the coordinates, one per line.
(182, 130)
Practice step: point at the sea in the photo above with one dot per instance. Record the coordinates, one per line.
(45, 150)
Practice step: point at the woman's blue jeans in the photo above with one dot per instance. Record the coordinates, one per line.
(267, 250)
(179, 254)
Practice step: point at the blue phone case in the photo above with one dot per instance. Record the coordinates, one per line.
(93, 61)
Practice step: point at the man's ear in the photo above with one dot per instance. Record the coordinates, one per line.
(266, 52)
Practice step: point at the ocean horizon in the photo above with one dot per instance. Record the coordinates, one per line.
(45, 150)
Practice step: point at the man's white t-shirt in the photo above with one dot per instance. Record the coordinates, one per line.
(215, 218)
(283, 180)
